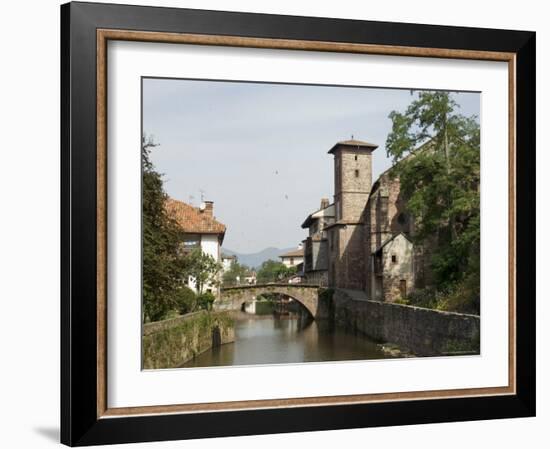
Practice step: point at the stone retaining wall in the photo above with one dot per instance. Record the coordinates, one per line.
(171, 343)
(425, 332)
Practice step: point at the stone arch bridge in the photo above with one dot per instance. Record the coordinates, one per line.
(305, 294)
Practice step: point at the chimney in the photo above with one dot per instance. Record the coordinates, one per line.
(324, 203)
(209, 208)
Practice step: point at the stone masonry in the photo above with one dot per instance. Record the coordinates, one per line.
(370, 243)
(346, 237)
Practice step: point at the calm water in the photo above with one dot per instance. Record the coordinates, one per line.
(287, 339)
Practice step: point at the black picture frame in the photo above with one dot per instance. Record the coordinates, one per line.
(80, 424)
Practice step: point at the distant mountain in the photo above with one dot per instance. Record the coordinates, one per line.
(254, 260)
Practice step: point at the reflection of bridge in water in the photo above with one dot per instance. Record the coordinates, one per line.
(305, 294)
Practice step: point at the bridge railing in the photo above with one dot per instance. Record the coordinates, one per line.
(270, 284)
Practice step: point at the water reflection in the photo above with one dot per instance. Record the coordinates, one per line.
(289, 338)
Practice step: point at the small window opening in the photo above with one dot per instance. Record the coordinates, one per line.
(357, 173)
(355, 157)
(394, 258)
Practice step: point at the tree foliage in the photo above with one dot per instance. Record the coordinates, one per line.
(206, 300)
(203, 268)
(186, 300)
(438, 151)
(163, 263)
(166, 267)
(273, 271)
(236, 274)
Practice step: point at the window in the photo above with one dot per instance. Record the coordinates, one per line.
(357, 173)
(394, 258)
(355, 157)
(191, 241)
(292, 261)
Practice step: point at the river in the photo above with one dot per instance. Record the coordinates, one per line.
(288, 338)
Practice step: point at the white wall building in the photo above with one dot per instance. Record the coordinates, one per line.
(228, 261)
(294, 257)
(200, 230)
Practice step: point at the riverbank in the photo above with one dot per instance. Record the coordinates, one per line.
(171, 343)
(419, 331)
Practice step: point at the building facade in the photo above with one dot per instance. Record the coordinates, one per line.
(368, 238)
(227, 261)
(346, 236)
(293, 258)
(200, 230)
(316, 257)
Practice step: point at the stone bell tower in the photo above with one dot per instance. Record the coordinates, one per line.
(352, 186)
(352, 178)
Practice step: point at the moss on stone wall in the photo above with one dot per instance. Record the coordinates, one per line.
(171, 343)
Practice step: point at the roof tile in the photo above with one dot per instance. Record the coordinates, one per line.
(192, 219)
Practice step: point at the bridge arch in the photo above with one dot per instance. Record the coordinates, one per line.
(307, 295)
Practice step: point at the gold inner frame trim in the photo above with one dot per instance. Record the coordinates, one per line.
(104, 35)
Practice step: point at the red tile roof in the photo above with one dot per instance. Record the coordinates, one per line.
(192, 219)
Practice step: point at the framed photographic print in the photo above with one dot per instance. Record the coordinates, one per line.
(277, 224)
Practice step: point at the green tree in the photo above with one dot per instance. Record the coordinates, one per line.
(440, 181)
(203, 268)
(163, 264)
(187, 300)
(235, 274)
(273, 271)
(206, 300)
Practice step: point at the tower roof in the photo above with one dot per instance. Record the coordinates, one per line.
(353, 143)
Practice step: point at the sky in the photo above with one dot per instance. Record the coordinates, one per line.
(259, 150)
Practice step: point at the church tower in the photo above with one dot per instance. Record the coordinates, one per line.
(346, 237)
(352, 178)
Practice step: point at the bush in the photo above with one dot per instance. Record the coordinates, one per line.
(426, 297)
(205, 300)
(186, 300)
(463, 298)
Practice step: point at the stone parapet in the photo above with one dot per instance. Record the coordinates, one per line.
(171, 343)
(424, 332)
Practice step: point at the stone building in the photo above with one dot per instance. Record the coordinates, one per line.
(316, 244)
(369, 244)
(389, 252)
(346, 236)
